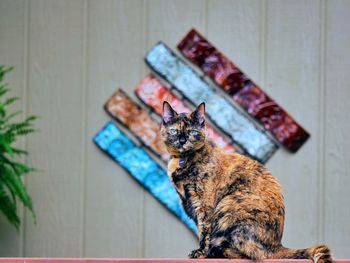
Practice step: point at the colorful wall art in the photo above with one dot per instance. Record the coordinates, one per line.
(241, 117)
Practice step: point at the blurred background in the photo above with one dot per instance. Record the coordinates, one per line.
(70, 56)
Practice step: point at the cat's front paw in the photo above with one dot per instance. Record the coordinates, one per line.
(197, 253)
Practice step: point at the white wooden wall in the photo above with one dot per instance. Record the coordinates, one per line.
(69, 57)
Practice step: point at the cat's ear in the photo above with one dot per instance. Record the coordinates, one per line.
(168, 113)
(198, 115)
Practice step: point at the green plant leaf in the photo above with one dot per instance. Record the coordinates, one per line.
(9, 209)
(9, 101)
(16, 186)
(19, 151)
(12, 188)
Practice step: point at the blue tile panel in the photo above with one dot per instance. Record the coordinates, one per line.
(143, 168)
(254, 141)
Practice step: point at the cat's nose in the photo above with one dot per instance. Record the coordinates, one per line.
(182, 140)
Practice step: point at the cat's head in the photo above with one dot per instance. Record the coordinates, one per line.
(182, 132)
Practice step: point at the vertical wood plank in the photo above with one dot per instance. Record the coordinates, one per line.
(169, 21)
(292, 77)
(114, 201)
(337, 127)
(235, 28)
(55, 94)
(13, 53)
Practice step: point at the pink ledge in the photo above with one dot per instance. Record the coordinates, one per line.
(150, 260)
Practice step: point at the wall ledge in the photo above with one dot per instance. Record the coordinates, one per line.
(150, 260)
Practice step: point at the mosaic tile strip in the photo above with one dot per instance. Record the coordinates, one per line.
(142, 168)
(152, 93)
(138, 121)
(243, 90)
(253, 140)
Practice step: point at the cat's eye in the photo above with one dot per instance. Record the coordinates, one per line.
(172, 131)
(193, 133)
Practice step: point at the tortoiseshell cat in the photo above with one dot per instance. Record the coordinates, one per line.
(236, 203)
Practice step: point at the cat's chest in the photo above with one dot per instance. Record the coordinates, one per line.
(182, 169)
(188, 182)
(184, 175)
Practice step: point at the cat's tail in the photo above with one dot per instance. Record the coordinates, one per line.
(319, 254)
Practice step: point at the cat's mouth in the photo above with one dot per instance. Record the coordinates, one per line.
(182, 148)
(178, 148)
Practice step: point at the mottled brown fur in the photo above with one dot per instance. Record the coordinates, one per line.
(236, 203)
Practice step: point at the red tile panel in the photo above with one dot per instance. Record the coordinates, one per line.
(243, 90)
(153, 93)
